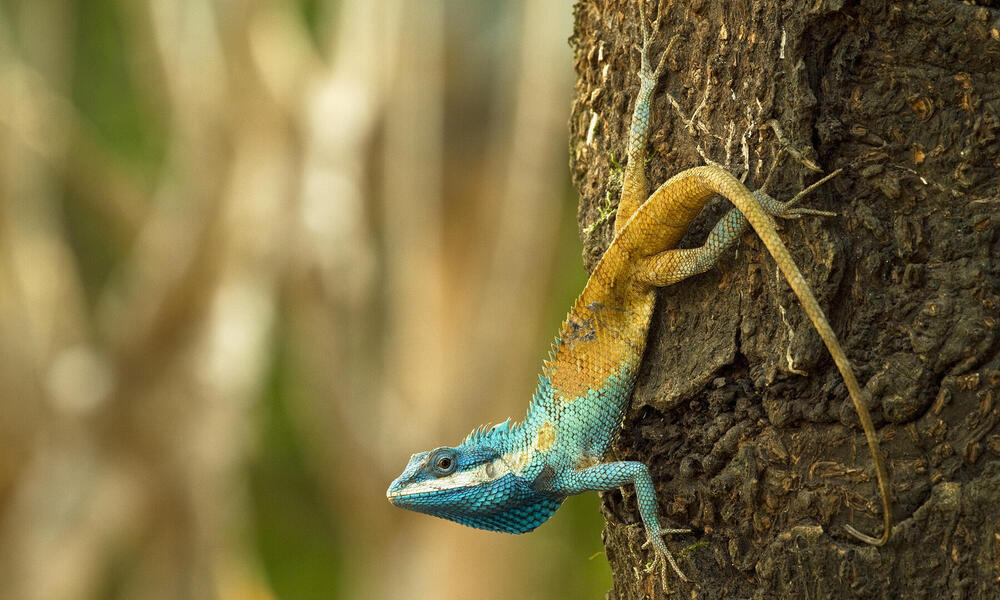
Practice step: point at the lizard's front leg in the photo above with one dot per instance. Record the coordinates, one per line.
(609, 476)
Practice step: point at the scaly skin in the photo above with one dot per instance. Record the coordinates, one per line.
(512, 477)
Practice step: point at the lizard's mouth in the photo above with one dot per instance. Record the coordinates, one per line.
(399, 490)
(394, 493)
(480, 475)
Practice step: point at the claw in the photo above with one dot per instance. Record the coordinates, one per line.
(798, 213)
(774, 167)
(662, 554)
(806, 191)
(788, 210)
(644, 63)
(669, 559)
(643, 26)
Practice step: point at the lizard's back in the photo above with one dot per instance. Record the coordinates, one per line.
(587, 380)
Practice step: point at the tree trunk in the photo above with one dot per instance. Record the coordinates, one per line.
(739, 411)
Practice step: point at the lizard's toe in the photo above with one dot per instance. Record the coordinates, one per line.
(795, 213)
(662, 554)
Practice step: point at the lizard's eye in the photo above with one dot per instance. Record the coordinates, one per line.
(443, 462)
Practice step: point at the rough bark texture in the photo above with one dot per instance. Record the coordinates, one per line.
(739, 411)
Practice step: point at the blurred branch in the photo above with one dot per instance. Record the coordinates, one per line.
(287, 187)
(187, 319)
(44, 123)
(530, 205)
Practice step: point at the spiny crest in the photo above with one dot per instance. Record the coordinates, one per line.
(543, 393)
(553, 349)
(485, 433)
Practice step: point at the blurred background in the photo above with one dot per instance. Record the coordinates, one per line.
(255, 253)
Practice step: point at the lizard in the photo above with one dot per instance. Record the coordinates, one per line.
(512, 477)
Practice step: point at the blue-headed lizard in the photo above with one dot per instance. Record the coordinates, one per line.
(513, 476)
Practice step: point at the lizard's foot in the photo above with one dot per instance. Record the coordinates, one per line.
(663, 554)
(789, 210)
(647, 74)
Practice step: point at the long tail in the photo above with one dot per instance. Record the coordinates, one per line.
(685, 193)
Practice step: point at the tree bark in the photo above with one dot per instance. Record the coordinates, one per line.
(739, 411)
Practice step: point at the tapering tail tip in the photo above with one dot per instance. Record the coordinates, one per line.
(874, 541)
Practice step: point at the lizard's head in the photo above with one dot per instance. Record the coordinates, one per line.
(472, 484)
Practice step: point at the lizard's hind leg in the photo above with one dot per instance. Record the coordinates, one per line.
(635, 187)
(674, 265)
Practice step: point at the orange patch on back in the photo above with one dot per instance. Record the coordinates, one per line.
(599, 336)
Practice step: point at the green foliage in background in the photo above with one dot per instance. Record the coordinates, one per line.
(294, 530)
(120, 107)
